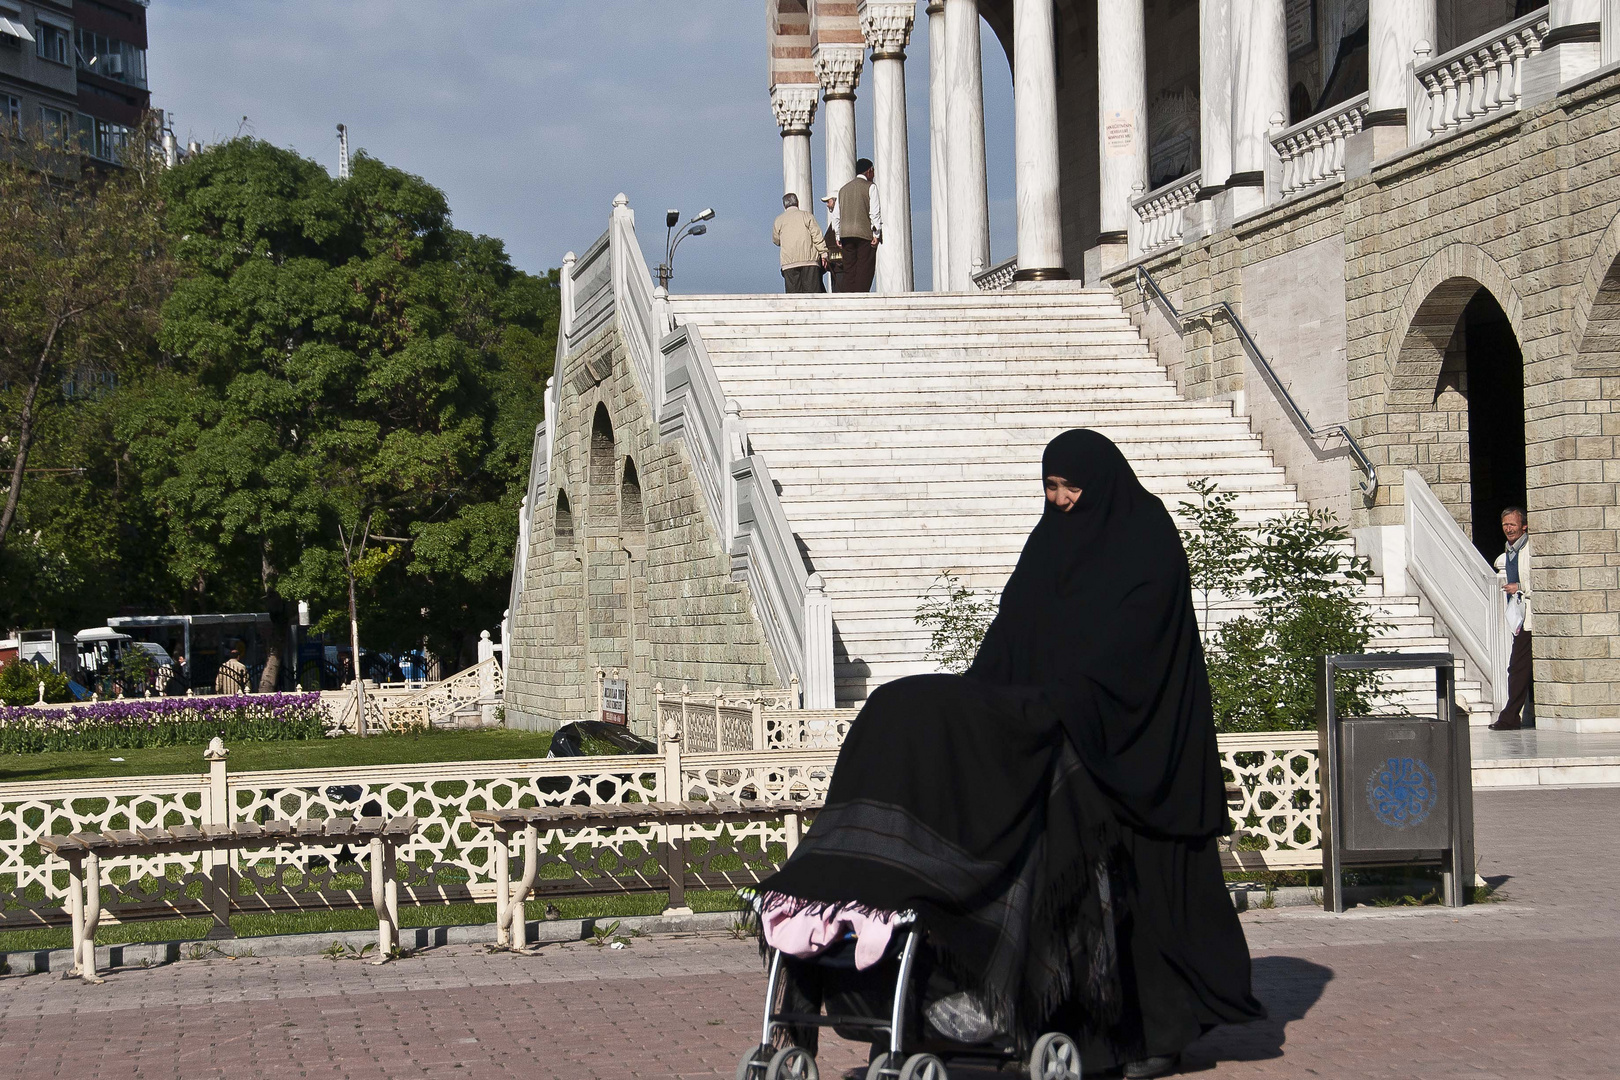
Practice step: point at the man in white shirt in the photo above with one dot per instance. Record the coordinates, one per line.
(1514, 567)
(859, 224)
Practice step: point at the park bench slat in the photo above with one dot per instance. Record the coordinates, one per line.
(90, 840)
(62, 844)
(400, 826)
(278, 827)
(248, 829)
(340, 826)
(308, 826)
(185, 832)
(155, 836)
(371, 826)
(121, 837)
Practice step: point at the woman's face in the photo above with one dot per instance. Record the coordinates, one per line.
(1061, 494)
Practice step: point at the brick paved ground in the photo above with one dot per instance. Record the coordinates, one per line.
(1524, 988)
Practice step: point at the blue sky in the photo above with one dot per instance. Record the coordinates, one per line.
(532, 115)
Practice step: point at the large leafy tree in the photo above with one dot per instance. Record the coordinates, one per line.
(340, 354)
(82, 272)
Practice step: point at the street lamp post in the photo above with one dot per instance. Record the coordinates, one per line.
(672, 240)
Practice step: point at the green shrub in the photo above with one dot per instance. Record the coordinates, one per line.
(1262, 667)
(957, 618)
(19, 683)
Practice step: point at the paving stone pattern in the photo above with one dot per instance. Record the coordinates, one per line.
(1522, 988)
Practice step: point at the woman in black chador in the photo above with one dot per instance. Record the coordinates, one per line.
(1052, 815)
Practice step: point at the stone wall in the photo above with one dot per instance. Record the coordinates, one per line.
(635, 579)
(1525, 207)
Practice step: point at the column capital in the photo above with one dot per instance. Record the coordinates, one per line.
(886, 25)
(795, 107)
(838, 66)
(935, 7)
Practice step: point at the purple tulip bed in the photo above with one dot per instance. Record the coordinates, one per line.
(138, 723)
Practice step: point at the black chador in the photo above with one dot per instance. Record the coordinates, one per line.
(1052, 814)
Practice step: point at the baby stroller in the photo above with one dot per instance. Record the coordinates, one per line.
(917, 1051)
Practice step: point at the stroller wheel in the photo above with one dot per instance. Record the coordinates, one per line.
(793, 1063)
(753, 1064)
(1055, 1057)
(885, 1067)
(924, 1067)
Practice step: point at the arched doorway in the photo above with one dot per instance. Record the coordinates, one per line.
(1494, 387)
(1455, 395)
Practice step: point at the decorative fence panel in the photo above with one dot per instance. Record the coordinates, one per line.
(1272, 787)
(1475, 81)
(1311, 152)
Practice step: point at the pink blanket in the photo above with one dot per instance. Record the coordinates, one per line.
(803, 929)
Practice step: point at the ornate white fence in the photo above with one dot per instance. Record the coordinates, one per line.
(1477, 80)
(679, 383)
(1461, 585)
(1312, 151)
(1272, 787)
(1158, 218)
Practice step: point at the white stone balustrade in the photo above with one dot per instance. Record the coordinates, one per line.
(1480, 79)
(1159, 216)
(1312, 151)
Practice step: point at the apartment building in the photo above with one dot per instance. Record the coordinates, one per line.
(74, 70)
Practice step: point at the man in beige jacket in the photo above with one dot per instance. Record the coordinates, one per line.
(804, 252)
(1513, 567)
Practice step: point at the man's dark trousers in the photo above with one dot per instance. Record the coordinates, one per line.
(860, 264)
(802, 279)
(1520, 681)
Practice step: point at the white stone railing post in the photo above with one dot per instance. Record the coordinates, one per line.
(217, 865)
(819, 688)
(565, 289)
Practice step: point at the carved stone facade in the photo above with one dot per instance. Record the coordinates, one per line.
(625, 569)
(1419, 298)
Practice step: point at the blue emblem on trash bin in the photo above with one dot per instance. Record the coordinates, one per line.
(1402, 792)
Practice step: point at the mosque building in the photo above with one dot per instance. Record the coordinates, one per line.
(1352, 255)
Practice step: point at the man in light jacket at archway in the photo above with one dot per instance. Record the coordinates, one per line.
(1513, 566)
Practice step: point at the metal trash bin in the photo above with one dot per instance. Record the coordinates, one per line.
(1396, 790)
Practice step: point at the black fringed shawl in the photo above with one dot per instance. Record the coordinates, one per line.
(965, 803)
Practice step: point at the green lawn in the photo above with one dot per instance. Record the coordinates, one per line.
(481, 745)
(331, 922)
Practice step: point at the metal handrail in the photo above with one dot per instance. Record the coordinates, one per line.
(1369, 485)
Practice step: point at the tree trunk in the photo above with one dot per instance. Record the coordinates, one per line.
(270, 679)
(25, 434)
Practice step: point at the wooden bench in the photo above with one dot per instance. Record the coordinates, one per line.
(84, 852)
(530, 821)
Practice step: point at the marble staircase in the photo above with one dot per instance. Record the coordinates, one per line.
(905, 432)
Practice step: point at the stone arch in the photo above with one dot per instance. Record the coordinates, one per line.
(563, 523)
(1595, 326)
(603, 516)
(1455, 385)
(1434, 302)
(631, 510)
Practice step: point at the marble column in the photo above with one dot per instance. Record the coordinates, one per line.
(1122, 136)
(968, 201)
(795, 107)
(1259, 92)
(886, 25)
(938, 156)
(839, 69)
(1609, 28)
(1571, 49)
(1394, 28)
(1040, 209)
(1214, 94)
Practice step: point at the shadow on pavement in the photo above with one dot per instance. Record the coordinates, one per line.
(1289, 987)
